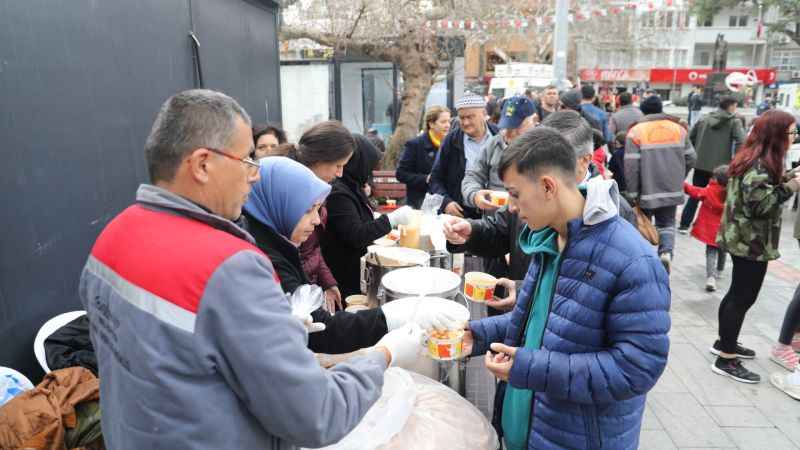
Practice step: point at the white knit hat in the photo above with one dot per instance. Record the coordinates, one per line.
(470, 100)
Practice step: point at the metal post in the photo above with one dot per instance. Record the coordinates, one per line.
(560, 42)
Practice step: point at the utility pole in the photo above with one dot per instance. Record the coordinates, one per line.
(560, 43)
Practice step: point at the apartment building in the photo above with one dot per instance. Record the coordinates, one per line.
(671, 51)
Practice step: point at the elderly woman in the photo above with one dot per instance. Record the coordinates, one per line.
(282, 212)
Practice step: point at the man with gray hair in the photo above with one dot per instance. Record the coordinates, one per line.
(196, 345)
(459, 150)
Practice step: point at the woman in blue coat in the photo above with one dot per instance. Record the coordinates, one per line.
(587, 338)
(419, 153)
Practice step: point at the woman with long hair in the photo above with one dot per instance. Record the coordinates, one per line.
(750, 230)
(324, 148)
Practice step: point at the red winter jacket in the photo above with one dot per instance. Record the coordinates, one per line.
(707, 223)
(599, 159)
(314, 264)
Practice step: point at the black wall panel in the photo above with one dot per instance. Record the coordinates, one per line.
(80, 84)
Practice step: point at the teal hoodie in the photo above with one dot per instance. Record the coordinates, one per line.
(542, 244)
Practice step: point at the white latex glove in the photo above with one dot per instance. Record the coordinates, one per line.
(311, 326)
(401, 216)
(404, 343)
(427, 315)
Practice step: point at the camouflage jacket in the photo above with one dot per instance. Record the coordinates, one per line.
(751, 222)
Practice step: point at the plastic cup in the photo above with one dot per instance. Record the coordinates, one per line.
(479, 286)
(499, 198)
(445, 345)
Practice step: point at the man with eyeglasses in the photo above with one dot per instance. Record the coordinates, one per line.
(196, 345)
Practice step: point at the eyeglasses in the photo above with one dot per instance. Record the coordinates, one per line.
(794, 132)
(250, 164)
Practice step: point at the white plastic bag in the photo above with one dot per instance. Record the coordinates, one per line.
(306, 299)
(417, 413)
(442, 419)
(386, 417)
(12, 383)
(431, 204)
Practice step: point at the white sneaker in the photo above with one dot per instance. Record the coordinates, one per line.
(790, 384)
(711, 284)
(666, 260)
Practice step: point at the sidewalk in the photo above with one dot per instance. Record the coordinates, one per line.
(692, 407)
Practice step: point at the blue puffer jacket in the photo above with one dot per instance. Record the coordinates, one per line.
(605, 342)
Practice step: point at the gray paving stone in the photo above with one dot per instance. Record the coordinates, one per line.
(739, 416)
(656, 440)
(760, 438)
(694, 370)
(650, 421)
(686, 421)
(669, 382)
(789, 425)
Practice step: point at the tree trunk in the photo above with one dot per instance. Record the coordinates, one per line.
(417, 81)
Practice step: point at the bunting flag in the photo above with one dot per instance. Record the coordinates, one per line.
(580, 15)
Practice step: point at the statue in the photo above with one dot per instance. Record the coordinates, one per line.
(720, 54)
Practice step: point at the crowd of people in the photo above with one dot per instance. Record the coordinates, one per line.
(236, 220)
(738, 177)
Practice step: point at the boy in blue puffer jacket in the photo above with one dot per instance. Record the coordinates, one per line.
(587, 338)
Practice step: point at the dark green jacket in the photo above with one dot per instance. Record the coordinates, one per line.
(714, 138)
(751, 222)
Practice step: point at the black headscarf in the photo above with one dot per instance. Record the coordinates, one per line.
(358, 170)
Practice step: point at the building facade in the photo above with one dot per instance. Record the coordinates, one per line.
(671, 51)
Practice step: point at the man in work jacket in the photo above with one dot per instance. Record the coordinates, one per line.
(658, 155)
(195, 341)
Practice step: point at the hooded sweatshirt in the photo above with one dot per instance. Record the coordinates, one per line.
(715, 137)
(351, 225)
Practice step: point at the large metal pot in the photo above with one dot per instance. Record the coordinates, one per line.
(379, 261)
(421, 281)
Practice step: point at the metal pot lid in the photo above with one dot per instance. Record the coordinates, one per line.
(421, 281)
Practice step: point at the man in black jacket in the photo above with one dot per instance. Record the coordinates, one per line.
(462, 145)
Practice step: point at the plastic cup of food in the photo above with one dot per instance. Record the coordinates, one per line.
(445, 345)
(499, 198)
(479, 286)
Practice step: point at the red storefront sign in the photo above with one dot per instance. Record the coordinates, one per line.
(614, 75)
(698, 76)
